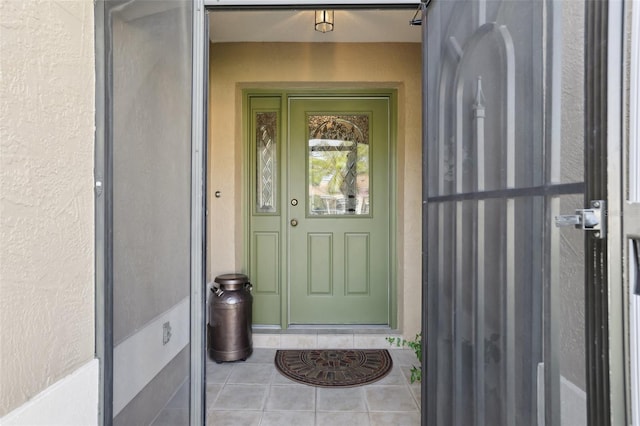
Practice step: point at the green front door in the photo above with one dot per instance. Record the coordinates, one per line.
(338, 210)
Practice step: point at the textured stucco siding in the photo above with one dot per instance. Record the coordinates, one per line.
(572, 338)
(46, 194)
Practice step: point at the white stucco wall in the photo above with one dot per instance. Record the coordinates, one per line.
(46, 194)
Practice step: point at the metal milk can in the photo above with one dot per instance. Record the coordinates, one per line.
(229, 327)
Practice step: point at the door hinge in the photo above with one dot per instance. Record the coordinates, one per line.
(592, 219)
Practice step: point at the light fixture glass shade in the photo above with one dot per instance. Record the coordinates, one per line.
(324, 20)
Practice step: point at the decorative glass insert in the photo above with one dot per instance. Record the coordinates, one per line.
(338, 173)
(266, 162)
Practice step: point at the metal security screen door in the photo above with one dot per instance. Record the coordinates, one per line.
(504, 149)
(151, 210)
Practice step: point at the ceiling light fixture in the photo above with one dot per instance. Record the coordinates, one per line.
(324, 20)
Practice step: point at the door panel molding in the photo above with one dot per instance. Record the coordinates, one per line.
(356, 274)
(266, 262)
(319, 264)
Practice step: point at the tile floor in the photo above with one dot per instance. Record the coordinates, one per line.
(255, 393)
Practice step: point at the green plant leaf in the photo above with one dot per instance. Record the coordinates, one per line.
(416, 346)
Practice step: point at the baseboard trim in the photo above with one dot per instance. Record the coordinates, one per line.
(73, 400)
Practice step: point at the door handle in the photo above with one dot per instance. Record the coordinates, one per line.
(294, 222)
(592, 219)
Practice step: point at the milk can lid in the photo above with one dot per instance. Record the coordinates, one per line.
(231, 279)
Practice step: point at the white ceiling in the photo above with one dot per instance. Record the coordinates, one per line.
(298, 26)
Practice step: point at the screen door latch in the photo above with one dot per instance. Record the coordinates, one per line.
(587, 219)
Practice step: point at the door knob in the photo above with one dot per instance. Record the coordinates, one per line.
(294, 222)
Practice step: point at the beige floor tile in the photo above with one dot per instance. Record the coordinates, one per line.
(395, 419)
(249, 374)
(370, 341)
(395, 377)
(262, 356)
(389, 398)
(404, 357)
(342, 419)
(212, 394)
(299, 341)
(346, 399)
(335, 341)
(416, 392)
(266, 340)
(406, 372)
(218, 373)
(288, 418)
(255, 393)
(281, 379)
(241, 397)
(291, 398)
(234, 418)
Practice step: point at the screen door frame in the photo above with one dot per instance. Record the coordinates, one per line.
(104, 217)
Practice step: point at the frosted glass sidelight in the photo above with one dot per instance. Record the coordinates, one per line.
(266, 167)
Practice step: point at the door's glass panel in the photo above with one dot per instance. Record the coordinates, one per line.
(338, 165)
(266, 162)
(150, 98)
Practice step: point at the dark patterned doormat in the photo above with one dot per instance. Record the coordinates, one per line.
(334, 367)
